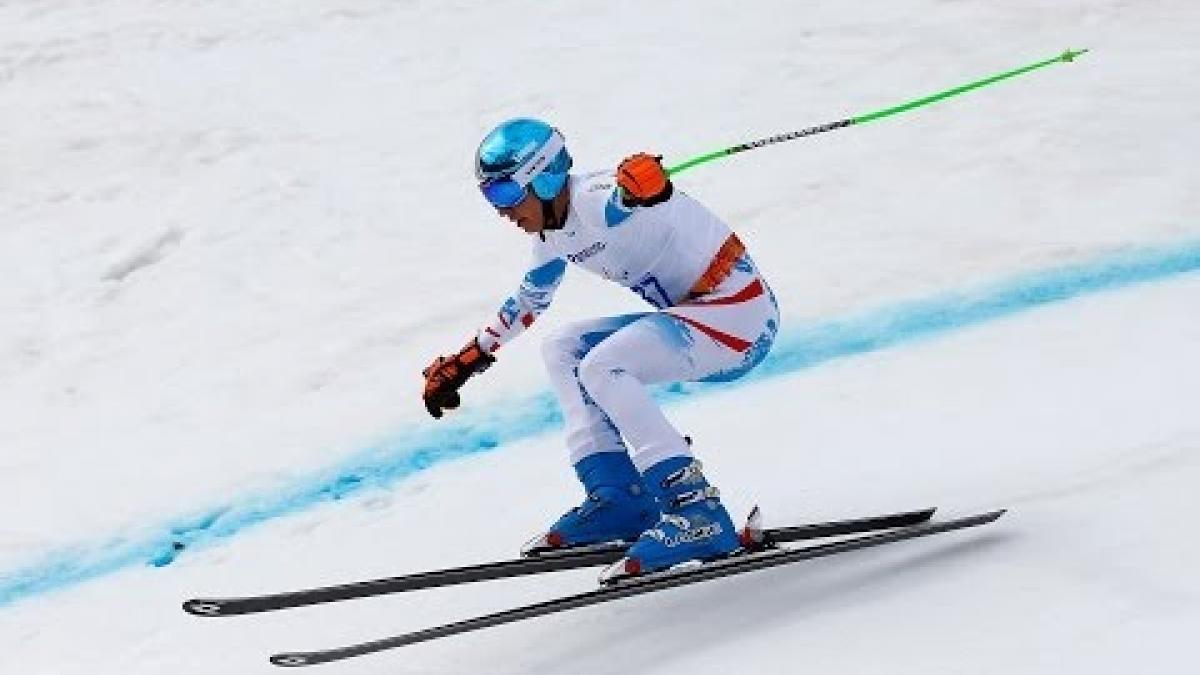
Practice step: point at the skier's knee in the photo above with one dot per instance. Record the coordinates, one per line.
(559, 349)
(597, 370)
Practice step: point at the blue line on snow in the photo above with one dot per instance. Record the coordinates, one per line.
(482, 431)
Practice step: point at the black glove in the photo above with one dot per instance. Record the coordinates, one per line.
(447, 374)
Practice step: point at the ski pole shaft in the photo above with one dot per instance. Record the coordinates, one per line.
(1065, 57)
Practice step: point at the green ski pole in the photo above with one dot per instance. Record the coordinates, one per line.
(1065, 57)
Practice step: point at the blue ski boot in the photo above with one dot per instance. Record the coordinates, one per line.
(694, 524)
(618, 507)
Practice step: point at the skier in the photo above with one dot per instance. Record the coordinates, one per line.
(715, 318)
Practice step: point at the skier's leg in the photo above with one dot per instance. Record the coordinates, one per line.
(614, 375)
(682, 344)
(660, 348)
(588, 428)
(719, 337)
(617, 505)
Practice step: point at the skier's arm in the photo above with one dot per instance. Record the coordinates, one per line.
(447, 374)
(523, 307)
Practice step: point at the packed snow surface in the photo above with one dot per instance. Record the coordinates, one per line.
(234, 232)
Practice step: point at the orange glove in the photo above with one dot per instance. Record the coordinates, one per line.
(643, 180)
(447, 374)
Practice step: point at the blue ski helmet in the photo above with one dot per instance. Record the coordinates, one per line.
(520, 153)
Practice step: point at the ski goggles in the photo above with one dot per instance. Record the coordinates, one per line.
(505, 192)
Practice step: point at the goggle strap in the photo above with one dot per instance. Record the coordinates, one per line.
(524, 175)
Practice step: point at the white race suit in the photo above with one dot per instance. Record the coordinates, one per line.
(715, 316)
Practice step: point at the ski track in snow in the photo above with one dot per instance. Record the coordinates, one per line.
(475, 433)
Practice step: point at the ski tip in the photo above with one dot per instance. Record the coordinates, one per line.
(291, 660)
(202, 607)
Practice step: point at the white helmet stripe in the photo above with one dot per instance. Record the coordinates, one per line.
(534, 165)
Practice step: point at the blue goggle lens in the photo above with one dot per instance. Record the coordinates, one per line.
(502, 193)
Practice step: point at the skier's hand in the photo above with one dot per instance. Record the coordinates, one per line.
(447, 374)
(643, 180)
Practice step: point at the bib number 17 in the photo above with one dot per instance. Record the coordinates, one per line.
(652, 292)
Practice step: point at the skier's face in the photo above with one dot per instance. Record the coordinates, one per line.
(527, 214)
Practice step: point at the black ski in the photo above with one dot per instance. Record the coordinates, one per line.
(567, 560)
(637, 586)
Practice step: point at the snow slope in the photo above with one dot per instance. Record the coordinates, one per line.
(229, 233)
